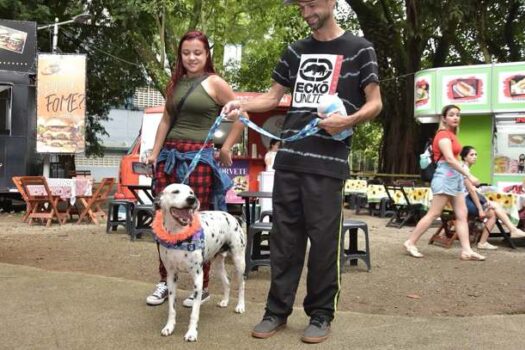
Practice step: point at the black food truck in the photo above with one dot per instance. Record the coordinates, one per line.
(18, 155)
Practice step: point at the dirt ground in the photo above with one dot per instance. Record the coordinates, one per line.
(439, 284)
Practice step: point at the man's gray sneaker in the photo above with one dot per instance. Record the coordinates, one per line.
(269, 325)
(159, 295)
(317, 331)
(188, 302)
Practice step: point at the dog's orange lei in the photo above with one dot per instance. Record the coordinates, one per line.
(173, 238)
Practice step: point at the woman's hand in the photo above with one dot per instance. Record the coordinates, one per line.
(225, 157)
(151, 159)
(474, 180)
(481, 213)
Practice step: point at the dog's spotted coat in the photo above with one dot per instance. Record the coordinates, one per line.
(222, 235)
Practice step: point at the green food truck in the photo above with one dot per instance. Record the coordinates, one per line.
(492, 102)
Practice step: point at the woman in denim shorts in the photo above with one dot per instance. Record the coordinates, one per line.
(447, 185)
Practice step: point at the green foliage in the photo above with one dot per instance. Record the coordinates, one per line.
(110, 81)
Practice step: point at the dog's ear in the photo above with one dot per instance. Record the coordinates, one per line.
(198, 204)
(156, 202)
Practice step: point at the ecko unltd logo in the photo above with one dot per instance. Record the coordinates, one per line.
(317, 75)
(316, 69)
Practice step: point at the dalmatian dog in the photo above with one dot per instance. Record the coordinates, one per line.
(221, 234)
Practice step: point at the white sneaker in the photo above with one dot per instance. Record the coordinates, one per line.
(486, 246)
(188, 302)
(159, 295)
(517, 233)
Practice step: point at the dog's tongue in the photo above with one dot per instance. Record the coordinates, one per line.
(185, 214)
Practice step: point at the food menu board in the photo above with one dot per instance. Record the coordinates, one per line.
(468, 87)
(508, 92)
(479, 89)
(425, 92)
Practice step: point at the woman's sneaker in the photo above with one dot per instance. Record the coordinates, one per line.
(159, 295)
(188, 302)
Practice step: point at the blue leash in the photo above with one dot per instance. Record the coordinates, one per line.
(309, 129)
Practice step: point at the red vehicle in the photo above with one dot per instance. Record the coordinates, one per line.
(248, 161)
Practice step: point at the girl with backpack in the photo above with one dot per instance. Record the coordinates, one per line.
(447, 186)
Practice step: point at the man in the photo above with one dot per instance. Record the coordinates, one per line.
(309, 177)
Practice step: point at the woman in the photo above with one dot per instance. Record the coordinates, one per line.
(479, 206)
(269, 157)
(182, 132)
(447, 185)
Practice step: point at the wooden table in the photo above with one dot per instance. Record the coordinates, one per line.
(65, 188)
(252, 197)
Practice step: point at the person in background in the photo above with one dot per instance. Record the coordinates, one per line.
(447, 185)
(310, 172)
(182, 133)
(479, 206)
(269, 157)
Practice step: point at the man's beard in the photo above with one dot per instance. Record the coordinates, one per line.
(321, 21)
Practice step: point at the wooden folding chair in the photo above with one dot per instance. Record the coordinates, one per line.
(20, 188)
(43, 207)
(91, 209)
(404, 210)
(446, 233)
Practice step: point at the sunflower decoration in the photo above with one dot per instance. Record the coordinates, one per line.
(398, 197)
(508, 200)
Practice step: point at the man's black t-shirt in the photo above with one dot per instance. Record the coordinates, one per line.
(312, 68)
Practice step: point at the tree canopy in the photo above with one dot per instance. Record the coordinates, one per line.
(133, 42)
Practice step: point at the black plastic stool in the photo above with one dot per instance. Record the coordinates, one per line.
(352, 254)
(142, 219)
(113, 220)
(253, 255)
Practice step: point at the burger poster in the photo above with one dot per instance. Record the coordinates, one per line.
(424, 92)
(467, 87)
(17, 46)
(509, 90)
(61, 103)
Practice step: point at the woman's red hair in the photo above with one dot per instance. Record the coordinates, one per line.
(179, 70)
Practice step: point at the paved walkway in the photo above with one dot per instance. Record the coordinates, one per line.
(55, 310)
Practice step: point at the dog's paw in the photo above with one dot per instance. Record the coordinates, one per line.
(168, 330)
(191, 335)
(239, 308)
(223, 303)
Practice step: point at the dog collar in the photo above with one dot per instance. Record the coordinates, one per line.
(164, 236)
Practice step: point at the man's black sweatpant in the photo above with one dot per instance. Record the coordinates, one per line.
(305, 206)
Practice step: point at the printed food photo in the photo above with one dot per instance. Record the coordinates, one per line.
(461, 89)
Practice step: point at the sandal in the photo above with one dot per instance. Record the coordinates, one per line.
(486, 246)
(472, 256)
(412, 250)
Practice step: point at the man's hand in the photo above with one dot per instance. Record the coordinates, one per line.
(232, 110)
(225, 157)
(335, 123)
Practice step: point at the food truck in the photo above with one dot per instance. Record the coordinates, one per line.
(248, 154)
(492, 102)
(17, 106)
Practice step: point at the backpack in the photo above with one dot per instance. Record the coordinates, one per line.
(426, 163)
